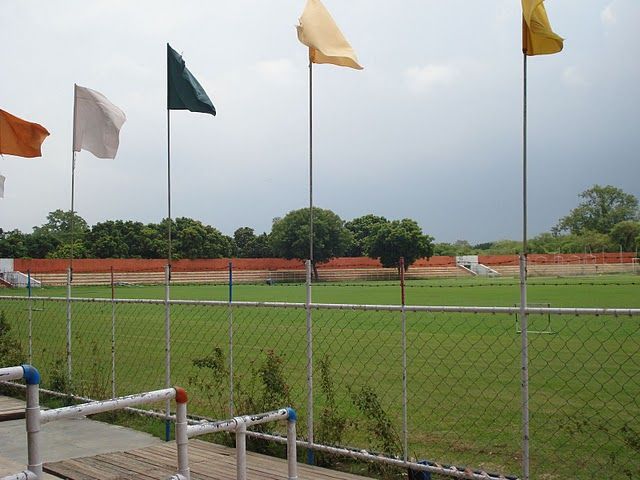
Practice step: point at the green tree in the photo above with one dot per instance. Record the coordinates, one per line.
(194, 239)
(363, 229)
(53, 238)
(248, 245)
(460, 247)
(242, 238)
(290, 236)
(589, 241)
(107, 240)
(400, 238)
(13, 244)
(626, 234)
(600, 209)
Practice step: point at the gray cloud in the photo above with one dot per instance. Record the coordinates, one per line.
(431, 129)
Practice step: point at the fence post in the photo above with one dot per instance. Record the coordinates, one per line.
(231, 399)
(524, 366)
(405, 428)
(30, 307)
(69, 325)
(310, 459)
(167, 347)
(113, 336)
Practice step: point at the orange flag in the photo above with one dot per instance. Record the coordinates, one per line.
(19, 137)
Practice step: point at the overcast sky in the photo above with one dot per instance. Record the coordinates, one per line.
(430, 129)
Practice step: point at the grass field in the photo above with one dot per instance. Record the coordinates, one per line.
(463, 369)
(603, 291)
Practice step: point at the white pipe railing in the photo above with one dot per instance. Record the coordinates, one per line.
(240, 424)
(35, 419)
(31, 377)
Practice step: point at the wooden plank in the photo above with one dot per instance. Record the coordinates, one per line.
(11, 409)
(207, 461)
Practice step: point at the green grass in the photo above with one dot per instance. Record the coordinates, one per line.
(463, 369)
(621, 291)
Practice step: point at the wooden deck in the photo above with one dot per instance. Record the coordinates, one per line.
(207, 461)
(11, 408)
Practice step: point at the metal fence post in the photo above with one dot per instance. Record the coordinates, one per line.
(30, 307)
(524, 366)
(405, 428)
(69, 325)
(310, 459)
(167, 347)
(231, 399)
(113, 337)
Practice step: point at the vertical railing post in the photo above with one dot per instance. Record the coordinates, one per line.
(32, 416)
(292, 458)
(69, 326)
(182, 440)
(167, 347)
(310, 459)
(241, 451)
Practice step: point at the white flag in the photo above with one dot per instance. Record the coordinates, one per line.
(97, 123)
(2, 179)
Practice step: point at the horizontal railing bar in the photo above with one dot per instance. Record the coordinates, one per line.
(573, 311)
(233, 423)
(101, 406)
(449, 471)
(11, 373)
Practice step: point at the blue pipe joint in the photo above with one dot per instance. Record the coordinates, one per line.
(293, 416)
(31, 375)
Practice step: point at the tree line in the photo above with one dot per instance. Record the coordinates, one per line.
(606, 219)
(289, 238)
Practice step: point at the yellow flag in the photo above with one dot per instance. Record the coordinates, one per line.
(319, 32)
(537, 36)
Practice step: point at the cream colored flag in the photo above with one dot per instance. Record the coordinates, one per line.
(319, 32)
(97, 123)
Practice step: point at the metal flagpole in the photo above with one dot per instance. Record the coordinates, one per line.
(523, 288)
(311, 160)
(70, 272)
(310, 270)
(73, 178)
(169, 184)
(167, 277)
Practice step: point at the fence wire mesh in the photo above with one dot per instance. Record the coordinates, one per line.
(463, 374)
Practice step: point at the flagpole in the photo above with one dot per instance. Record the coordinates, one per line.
(310, 270)
(70, 272)
(311, 161)
(167, 271)
(73, 179)
(169, 184)
(523, 286)
(167, 306)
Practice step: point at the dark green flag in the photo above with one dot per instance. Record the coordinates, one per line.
(183, 90)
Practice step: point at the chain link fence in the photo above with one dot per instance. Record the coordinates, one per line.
(463, 373)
